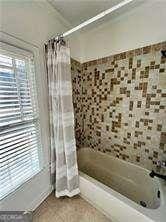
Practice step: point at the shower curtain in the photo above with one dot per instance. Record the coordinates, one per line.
(64, 169)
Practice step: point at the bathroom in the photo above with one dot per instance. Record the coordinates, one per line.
(98, 154)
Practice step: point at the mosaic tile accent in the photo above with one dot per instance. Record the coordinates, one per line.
(76, 73)
(120, 105)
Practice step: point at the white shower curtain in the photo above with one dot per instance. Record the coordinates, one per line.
(64, 168)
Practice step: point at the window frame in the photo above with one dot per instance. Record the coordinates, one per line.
(21, 53)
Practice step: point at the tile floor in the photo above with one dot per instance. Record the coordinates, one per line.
(66, 209)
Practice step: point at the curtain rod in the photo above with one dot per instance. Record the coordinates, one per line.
(93, 19)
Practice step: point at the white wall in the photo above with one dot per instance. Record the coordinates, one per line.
(137, 27)
(34, 22)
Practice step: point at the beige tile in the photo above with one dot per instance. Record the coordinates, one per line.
(47, 216)
(162, 80)
(67, 210)
(111, 98)
(83, 214)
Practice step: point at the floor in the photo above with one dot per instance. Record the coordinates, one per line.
(66, 209)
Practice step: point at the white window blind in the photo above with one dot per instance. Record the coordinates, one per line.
(20, 150)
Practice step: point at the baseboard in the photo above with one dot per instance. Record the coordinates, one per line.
(40, 198)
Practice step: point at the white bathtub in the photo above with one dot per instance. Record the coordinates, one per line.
(121, 188)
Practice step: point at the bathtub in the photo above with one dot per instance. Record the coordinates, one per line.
(121, 190)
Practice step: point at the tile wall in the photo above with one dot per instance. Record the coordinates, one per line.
(120, 102)
(76, 72)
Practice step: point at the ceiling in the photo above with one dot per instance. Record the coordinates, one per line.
(77, 11)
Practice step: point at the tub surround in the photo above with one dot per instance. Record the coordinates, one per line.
(76, 72)
(119, 104)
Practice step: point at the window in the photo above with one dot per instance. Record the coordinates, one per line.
(20, 149)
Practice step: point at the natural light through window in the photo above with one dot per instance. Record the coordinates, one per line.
(20, 148)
